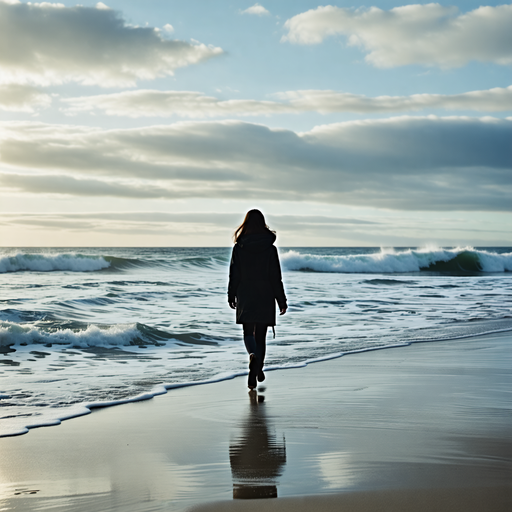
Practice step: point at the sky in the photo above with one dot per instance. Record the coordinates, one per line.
(162, 122)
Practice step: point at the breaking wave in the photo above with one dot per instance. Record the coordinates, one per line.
(81, 335)
(70, 262)
(467, 260)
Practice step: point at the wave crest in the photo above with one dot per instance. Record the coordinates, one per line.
(71, 262)
(390, 261)
(120, 335)
(81, 335)
(52, 262)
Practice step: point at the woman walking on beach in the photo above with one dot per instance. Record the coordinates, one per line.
(255, 284)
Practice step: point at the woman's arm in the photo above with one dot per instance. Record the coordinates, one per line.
(234, 278)
(277, 282)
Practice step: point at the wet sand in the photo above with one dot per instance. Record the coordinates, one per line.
(424, 427)
(417, 500)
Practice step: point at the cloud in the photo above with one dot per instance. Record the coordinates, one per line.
(49, 43)
(22, 98)
(149, 103)
(230, 220)
(491, 100)
(216, 227)
(429, 35)
(146, 222)
(402, 163)
(256, 9)
(154, 103)
(62, 184)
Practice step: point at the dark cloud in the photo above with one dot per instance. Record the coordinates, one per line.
(405, 163)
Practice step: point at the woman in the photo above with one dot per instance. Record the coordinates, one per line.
(255, 285)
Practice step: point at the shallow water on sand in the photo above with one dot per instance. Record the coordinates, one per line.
(428, 416)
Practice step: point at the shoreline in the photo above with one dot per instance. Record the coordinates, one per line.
(162, 389)
(422, 419)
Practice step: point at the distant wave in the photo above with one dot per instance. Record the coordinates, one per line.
(70, 262)
(390, 261)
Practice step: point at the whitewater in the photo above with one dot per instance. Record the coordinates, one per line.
(92, 327)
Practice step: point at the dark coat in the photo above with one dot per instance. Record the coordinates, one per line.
(255, 279)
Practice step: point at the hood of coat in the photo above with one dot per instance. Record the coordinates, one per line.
(256, 242)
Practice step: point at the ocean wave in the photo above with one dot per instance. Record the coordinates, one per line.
(459, 260)
(52, 262)
(19, 315)
(116, 263)
(71, 262)
(77, 262)
(197, 262)
(82, 336)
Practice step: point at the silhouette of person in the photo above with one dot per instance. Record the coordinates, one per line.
(255, 285)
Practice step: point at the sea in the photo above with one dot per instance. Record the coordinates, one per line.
(82, 328)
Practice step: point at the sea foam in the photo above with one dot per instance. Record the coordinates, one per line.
(391, 261)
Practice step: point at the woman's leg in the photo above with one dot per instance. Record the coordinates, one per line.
(260, 335)
(255, 340)
(249, 339)
(252, 349)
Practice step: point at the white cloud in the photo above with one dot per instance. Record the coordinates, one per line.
(49, 43)
(430, 34)
(157, 219)
(148, 103)
(403, 163)
(153, 103)
(22, 98)
(257, 9)
(491, 100)
(215, 226)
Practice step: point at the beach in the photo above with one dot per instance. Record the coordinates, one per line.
(421, 427)
(190, 190)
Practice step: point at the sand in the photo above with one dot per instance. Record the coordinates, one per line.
(418, 500)
(424, 427)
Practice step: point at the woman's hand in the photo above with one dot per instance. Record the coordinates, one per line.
(232, 305)
(282, 311)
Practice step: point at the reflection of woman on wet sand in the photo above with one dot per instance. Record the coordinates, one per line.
(255, 285)
(256, 456)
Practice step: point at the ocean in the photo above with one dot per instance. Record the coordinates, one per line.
(90, 327)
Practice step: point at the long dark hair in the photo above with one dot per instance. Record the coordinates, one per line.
(254, 222)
